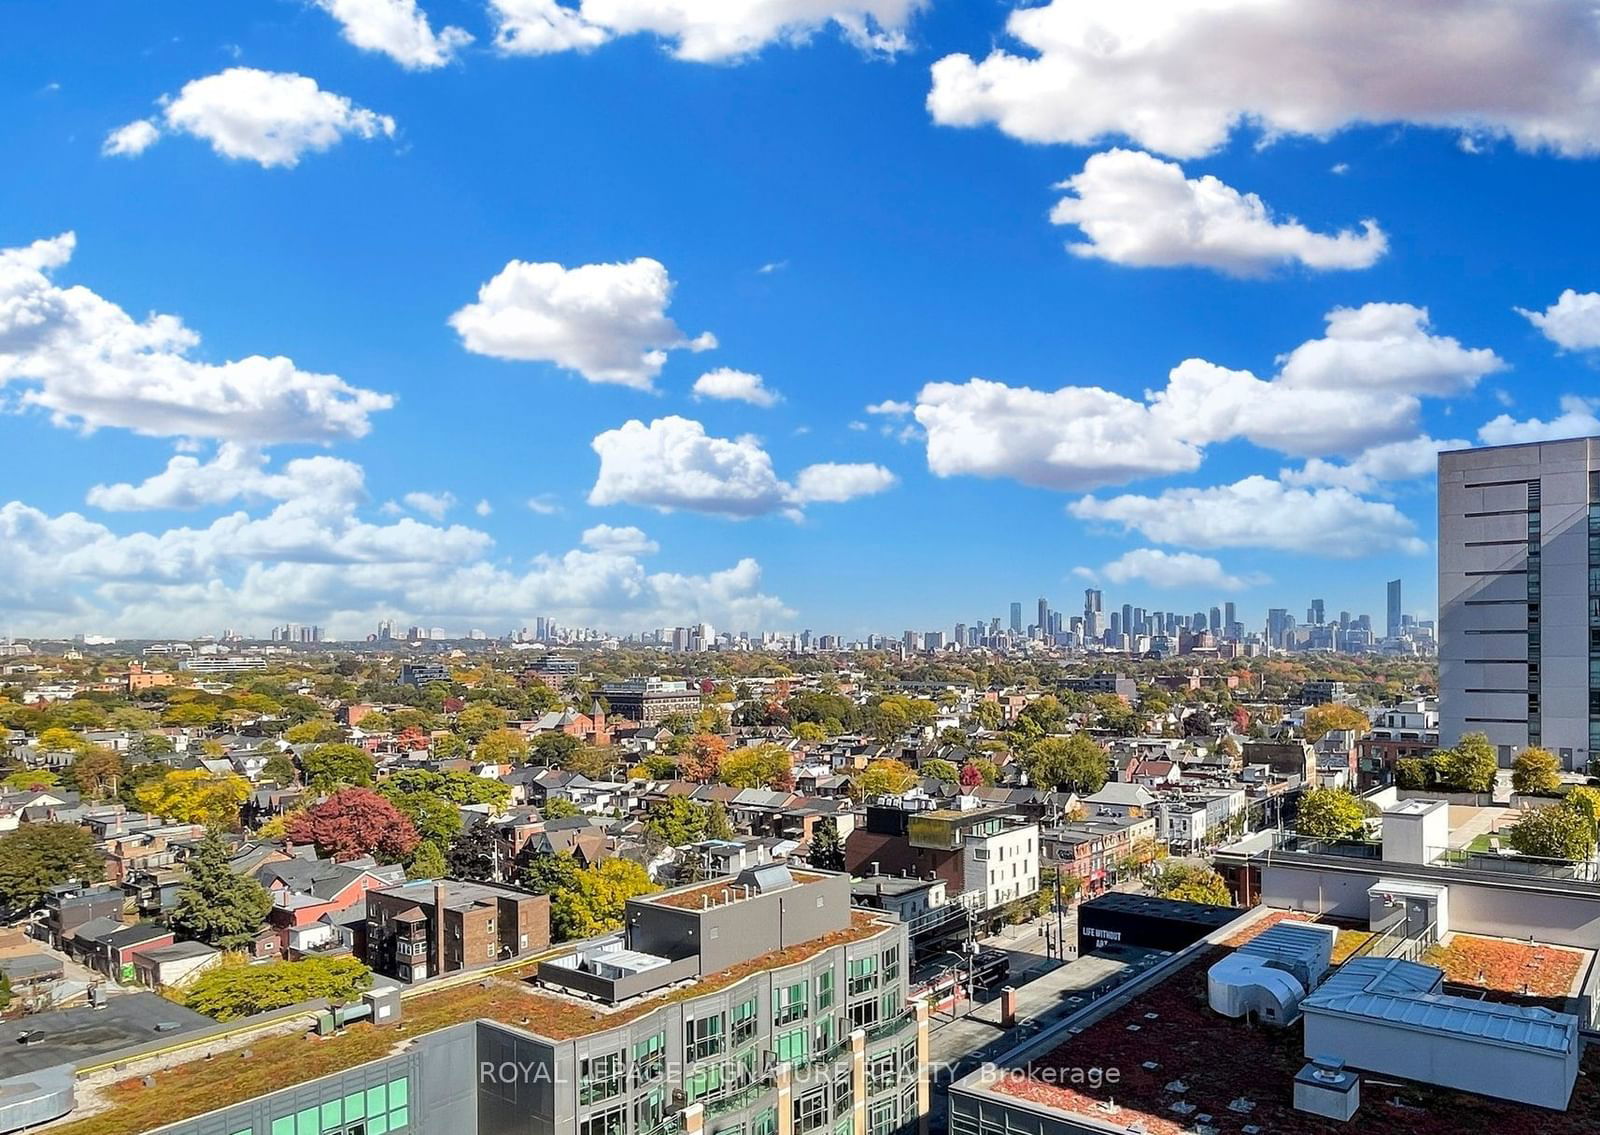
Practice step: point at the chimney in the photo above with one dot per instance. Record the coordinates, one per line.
(438, 928)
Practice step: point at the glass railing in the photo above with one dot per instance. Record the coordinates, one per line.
(733, 1101)
(891, 1027)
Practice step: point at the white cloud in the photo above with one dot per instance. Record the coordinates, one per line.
(235, 472)
(1578, 418)
(835, 483)
(702, 31)
(1258, 512)
(90, 365)
(772, 266)
(1178, 78)
(1140, 211)
(673, 464)
(272, 118)
(1173, 569)
(736, 386)
(607, 322)
(1390, 348)
(397, 28)
(483, 508)
(435, 505)
(323, 564)
(622, 541)
(1412, 460)
(545, 504)
(1572, 322)
(890, 408)
(131, 140)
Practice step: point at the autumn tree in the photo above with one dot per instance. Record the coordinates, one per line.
(195, 796)
(479, 719)
(1331, 813)
(354, 822)
(320, 731)
(940, 770)
(1469, 767)
(594, 900)
(758, 766)
(327, 766)
(1555, 833)
(228, 992)
(1331, 716)
(701, 758)
(1535, 771)
(1191, 883)
(36, 857)
(1073, 764)
(503, 747)
(886, 777)
(217, 905)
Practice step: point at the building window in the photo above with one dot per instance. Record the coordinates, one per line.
(648, 1111)
(882, 1073)
(766, 1123)
(824, 1036)
(825, 990)
(843, 1090)
(880, 1118)
(788, 1004)
(702, 1037)
(792, 1046)
(891, 1004)
(863, 975)
(744, 1021)
(650, 1058)
(891, 963)
(612, 1121)
(703, 1083)
(811, 1111)
(864, 1014)
(600, 1078)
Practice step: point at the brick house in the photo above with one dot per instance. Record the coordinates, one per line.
(407, 939)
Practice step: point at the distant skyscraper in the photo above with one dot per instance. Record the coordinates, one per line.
(1091, 612)
(1278, 624)
(1044, 616)
(1127, 618)
(1016, 618)
(1230, 616)
(1215, 619)
(1314, 616)
(1395, 609)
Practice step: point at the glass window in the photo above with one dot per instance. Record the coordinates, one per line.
(881, 1072)
(766, 1123)
(792, 1046)
(864, 1014)
(788, 1004)
(891, 1004)
(650, 1058)
(600, 1078)
(397, 1093)
(843, 1090)
(306, 1122)
(880, 1118)
(612, 1121)
(703, 1082)
(702, 1037)
(355, 1106)
(283, 1125)
(891, 963)
(811, 1111)
(824, 1035)
(863, 975)
(332, 1115)
(648, 1110)
(825, 989)
(377, 1100)
(744, 1021)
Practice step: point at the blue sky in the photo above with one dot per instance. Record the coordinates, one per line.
(908, 248)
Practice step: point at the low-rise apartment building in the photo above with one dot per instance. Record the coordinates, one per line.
(407, 939)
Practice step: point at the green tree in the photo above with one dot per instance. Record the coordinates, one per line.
(1413, 772)
(547, 874)
(36, 857)
(940, 770)
(280, 770)
(503, 747)
(427, 862)
(1073, 764)
(480, 719)
(1331, 813)
(885, 777)
(718, 825)
(5, 993)
(560, 808)
(217, 905)
(229, 992)
(472, 855)
(758, 766)
(550, 749)
(1535, 771)
(1469, 767)
(595, 900)
(449, 748)
(1585, 799)
(1116, 716)
(1555, 832)
(437, 820)
(318, 732)
(676, 821)
(827, 850)
(328, 766)
(1191, 883)
(194, 796)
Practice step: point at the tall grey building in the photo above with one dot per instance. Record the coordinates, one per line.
(1519, 591)
(1016, 618)
(1395, 609)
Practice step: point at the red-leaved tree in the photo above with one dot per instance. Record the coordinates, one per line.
(971, 776)
(354, 822)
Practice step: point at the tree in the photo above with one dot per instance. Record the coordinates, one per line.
(589, 761)
(228, 992)
(503, 747)
(1555, 833)
(989, 714)
(596, 898)
(1074, 764)
(354, 822)
(5, 991)
(940, 770)
(676, 821)
(455, 786)
(1324, 719)
(280, 770)
(1535, 771)
(551, 749)
(758, 766)
(36, 857)
(480, 719)
(327, 766)
(1192, 883)
(318, 732)
(560, 808)
(1469, 767)
(809, 731)
(435, 819)
(195, 796)
(1584, 799)
(1116, 716)
(718, 825)
(31, 780)
(449, 748)
(427, 862)
(472, 855)
(1331, 813)
(217, 905)
(1413, 772)
(886, 777)
(59, 740)
(550, 874)
(827, 850)
(702, 756)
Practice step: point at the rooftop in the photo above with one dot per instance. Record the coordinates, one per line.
(1164, 1044)
(698, 896)
(70, 1035)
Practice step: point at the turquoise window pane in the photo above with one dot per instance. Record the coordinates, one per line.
(377, 1101)
(397, 1094)
(283, 1125)
(398, 1118)
(332, 1115)
(355, 1106)
(305, 1122)
(378, 1124)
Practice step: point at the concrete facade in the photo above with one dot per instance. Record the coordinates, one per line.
(1515, 597)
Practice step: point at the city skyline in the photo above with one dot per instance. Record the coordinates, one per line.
(751, 389)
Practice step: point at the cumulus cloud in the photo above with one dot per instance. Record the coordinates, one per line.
(673, 464)
(624, 541)
(398, 29)
(1259, 512)
(272, 118)
(835, 483)
(890, 408)
(1571, 323)
(731, 385)
(697, 30)
(235, 472)
(435, 505)
(1140, 211)
(1370, 470)
(1320, 403)
(545, 504)
(1578, 418)
(319, 559)
(606, 322)
(1180, 78)
(483, 508)
(1172, 569)
(91, 365)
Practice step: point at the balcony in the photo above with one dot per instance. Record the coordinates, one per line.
(892, 1027)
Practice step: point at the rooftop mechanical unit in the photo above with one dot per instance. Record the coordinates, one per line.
(1267, 977)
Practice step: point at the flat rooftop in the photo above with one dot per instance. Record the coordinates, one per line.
(700, 896)
(278, 1061)
(71, 1036)
(1167, 1037)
